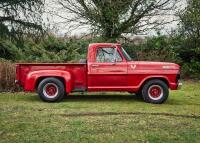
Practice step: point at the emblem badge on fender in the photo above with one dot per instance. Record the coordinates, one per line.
(133, 67)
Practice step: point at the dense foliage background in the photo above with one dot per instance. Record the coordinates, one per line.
(173, 48)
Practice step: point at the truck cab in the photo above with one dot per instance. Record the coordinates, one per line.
(108, 68)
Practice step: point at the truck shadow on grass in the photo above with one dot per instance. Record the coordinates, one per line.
(93, 98)
(101, 98)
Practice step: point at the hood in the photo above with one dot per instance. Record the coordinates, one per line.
(148, 65)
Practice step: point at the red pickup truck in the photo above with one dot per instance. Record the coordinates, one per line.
(108, 68)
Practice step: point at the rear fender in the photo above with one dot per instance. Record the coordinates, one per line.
(32, 78)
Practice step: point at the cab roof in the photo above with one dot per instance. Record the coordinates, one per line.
(104, 44)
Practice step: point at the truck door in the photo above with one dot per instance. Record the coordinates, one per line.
(109, 71)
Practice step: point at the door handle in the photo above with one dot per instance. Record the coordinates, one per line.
(95, 65)
(113, 64)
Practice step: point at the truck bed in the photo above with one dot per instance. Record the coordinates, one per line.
(78, 72)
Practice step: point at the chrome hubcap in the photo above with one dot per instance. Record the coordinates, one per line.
(50, 90)
(155, 92)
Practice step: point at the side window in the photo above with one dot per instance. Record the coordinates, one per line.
(107, 55)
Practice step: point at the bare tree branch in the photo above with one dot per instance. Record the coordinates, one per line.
(111, 18)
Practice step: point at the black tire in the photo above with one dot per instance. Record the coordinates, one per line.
(155, 91)
(57, 88)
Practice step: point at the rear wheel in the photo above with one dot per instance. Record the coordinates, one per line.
(51, 90)
(155, 91)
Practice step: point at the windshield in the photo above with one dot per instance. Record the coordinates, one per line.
(126, 55)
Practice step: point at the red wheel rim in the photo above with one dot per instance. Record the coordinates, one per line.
(50, 90)
(155, 92)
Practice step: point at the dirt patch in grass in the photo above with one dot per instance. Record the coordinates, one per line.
(127, 113)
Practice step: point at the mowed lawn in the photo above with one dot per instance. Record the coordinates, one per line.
(110, 117)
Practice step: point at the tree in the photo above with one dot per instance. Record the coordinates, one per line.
(190, 21)
(20, 17)
(188, 40)
(190, 31)
(111, 18)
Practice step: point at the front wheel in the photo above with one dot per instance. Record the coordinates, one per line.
(155, 91)
(51, 90)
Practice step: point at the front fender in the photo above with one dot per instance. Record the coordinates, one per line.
(32, 78)
(170, 79)
(152, 77)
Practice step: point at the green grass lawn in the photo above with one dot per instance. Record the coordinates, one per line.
(111, 117)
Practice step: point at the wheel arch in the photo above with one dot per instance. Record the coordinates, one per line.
(152, 78)
(34, 78)
(38, 80)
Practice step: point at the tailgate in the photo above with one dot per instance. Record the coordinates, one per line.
(21, 73)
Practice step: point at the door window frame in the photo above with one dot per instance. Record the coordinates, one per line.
(117, 50)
